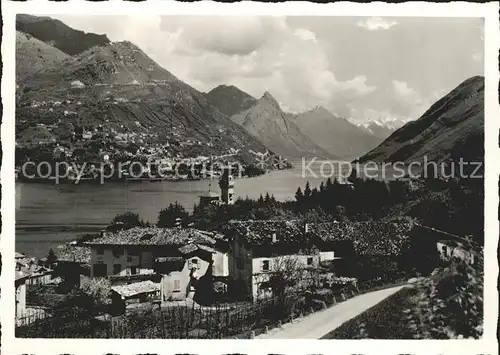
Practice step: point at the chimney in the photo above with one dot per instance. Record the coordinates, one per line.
(178, 222)
(275, 238)
(306, 228)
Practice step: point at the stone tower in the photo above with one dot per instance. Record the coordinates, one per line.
(226, 184)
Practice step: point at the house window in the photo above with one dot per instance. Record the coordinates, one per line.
(131, 254)
(265, 265)
(309, 261)
(100, 270)
(193, 263)
(177, 285)
(117, 268)
(100, 251)
(444, 250)
(133, 270)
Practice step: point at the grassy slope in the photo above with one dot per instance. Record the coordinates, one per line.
(447, 305)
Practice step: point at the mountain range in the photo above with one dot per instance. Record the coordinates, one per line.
(452, 128)
(118, 86)
(57, 34)
(316, 132)
(33, 54)
(335, 134)
(230, 100)
(275, 129)
(380, 128)
(67, 77)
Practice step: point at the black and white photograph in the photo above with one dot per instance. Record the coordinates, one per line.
(249, 177)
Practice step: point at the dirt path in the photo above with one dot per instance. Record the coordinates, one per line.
(318, 324)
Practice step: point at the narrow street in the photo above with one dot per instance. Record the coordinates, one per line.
(318, 324)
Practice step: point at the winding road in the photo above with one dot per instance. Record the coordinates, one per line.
(318, 324)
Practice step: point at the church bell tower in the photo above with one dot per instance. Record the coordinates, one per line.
(226, 184)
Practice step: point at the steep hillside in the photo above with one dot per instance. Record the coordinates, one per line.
(230, 100)
(277, 130)
(334, 134)
(59, 35)
(452, 128)
(33, 54)
(118, 86)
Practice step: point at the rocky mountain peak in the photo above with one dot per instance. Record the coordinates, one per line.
(267, 97)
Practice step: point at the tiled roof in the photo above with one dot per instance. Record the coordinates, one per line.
(167, 259)
(31, 269)
(367, 238)
(19, 255)
(260, 232)
(73, 253)
(21, 275)
(136, 288)
(188, 248)
(206, 248)
(154, 236)
(191, 248)
(439, 235)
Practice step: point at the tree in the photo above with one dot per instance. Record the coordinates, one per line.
(126, 220)
(51, 258)
(168, 216)
(98, 288)
(299, 195)
(285, 276)
(307, 190)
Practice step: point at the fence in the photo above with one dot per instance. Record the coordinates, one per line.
(31, 315)
(241, 320)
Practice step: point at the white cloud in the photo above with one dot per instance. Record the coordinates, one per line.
(291, 63)
(402, 89)
(305, 62)
(376, 23)
(305, 35)
(231, 35)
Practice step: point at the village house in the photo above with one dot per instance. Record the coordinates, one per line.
(363, 250)
(73, 261)
(20, 283)
(173, 257)
(258, 248)
(133, 251)
(133, 294)
(35, 273)
(448, 245)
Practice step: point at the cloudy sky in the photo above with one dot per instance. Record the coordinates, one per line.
(358, 67)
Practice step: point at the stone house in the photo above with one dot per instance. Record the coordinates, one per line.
(259, 249)
(20, 296)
